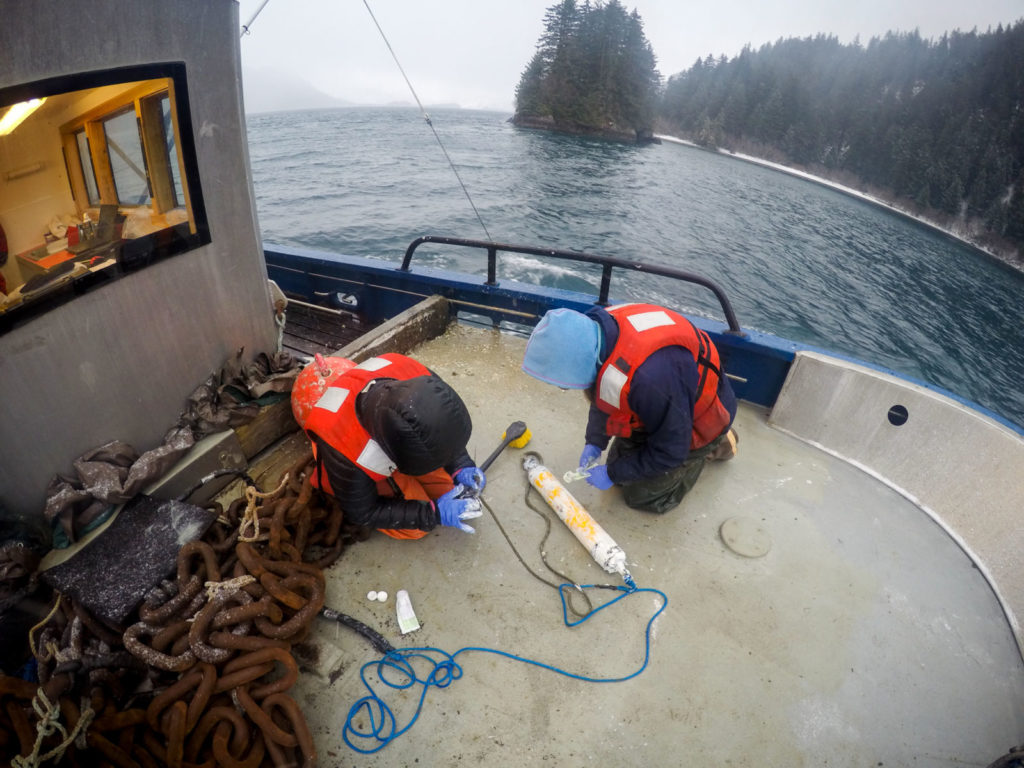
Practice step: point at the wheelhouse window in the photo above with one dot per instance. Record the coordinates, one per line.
(98, 178)
(162, 105)
(85, 158)
(127, 160)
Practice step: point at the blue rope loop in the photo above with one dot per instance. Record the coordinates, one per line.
(396, 670)
(382, 720)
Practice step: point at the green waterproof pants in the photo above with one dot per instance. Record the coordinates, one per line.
(663, 492)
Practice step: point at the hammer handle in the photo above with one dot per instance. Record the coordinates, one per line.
(515, 430)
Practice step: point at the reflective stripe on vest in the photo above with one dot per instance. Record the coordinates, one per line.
(333, 419)
(643, 330)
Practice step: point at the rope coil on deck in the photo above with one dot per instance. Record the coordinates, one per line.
(371, 722)
(443, 670)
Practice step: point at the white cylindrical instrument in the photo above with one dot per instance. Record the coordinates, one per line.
(586, 529)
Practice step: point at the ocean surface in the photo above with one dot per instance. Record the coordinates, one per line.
(796, 259)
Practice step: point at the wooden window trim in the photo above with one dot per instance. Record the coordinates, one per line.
(143, 99)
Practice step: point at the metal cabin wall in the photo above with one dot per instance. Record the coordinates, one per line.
(118, 363)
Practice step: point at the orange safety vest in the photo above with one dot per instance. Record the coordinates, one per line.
(643, 330)
(333, 419)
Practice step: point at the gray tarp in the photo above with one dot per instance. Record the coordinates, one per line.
(115, 472)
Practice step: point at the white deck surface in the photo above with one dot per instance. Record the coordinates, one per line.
(864, 637)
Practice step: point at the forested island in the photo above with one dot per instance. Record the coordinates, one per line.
(933, 127)
(593, 73)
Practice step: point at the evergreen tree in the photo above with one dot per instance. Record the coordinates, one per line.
(558, 49)
(594, 72)
(529, 92)
(937, 124)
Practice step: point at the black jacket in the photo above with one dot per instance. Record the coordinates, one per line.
(421, 424)
(357, 493)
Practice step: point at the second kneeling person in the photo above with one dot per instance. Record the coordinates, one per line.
(655, 384)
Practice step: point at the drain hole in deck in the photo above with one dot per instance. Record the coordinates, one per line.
(898, 415)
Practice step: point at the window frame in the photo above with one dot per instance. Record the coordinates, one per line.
(173, 71)
(144, 102)
(80, 137)
(133, 122)
(136, 253)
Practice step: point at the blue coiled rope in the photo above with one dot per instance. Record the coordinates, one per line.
(444, 670)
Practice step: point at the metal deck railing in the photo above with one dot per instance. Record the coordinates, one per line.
(607, 264)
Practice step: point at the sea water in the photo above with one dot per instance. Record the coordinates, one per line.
(796, 259)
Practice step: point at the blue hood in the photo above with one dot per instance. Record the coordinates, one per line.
(564, 350)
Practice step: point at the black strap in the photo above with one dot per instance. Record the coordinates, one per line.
(394, 487)
(704, 361)
(322, 446)
(319, 458)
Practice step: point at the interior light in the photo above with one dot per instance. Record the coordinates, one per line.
(17, 113)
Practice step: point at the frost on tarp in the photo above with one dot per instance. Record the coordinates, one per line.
(112, 573)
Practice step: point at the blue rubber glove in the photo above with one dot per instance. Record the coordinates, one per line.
(598, 477)
(591, 453)
(473, 478)
(454, 510)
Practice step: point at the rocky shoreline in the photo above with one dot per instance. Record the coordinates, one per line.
(976, 237)
(609, 132)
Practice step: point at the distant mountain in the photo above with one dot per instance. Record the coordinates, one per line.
(267, 90)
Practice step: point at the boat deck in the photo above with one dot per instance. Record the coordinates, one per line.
(863, 637)
(309, 330)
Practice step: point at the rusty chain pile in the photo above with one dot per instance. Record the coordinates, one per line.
(202, 678)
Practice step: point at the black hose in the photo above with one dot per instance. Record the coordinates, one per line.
(376, 639)
(1012, 759)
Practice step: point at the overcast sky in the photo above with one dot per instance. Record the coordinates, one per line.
(304, 53)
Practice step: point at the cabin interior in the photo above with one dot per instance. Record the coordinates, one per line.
(93, 180)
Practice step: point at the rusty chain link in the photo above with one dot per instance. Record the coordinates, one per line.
(201, 678)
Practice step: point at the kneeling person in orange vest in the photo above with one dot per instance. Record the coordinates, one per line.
(389, 438)
(655, 384)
